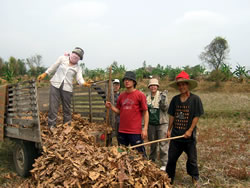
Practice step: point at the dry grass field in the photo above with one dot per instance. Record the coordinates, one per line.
(223, 143)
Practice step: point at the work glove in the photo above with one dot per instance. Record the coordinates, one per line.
(162, 104)
(88, 83)
(41, 77)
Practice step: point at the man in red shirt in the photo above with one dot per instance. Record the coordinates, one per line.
(132, 107)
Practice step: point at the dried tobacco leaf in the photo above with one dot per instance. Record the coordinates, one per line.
(72, 158)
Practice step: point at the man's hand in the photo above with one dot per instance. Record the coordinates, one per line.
(88, 83)
(144, 134)
(168, 134)
(41, 76)
(85, 84)
(108, 104)
(188, 133)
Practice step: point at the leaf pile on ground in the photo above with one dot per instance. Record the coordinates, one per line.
(70, 158)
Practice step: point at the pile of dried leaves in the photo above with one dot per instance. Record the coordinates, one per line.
(70, 158)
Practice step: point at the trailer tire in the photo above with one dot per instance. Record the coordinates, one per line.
(24, 155)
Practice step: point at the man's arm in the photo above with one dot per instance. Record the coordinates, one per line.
(170, 125)
(53, 67)
(112, 107)
(188, 133)
(79, 77)
(144, 133)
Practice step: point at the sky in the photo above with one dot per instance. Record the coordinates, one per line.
(166, 32)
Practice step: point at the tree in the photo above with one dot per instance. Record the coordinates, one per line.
(216, 53)
(2, 65)
(116, 69)
(241, 72)
(34, 64)
(158, 71)
(226, 71)
(22, 68)
(144, 64)
(195, 71)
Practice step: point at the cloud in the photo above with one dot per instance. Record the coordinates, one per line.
(201, 17)
(81, 10)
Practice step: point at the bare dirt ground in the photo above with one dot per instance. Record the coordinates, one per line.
(223, 145)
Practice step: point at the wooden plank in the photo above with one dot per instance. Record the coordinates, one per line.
(21, 93)
(25, 104)
(21, 87)
(39, 138)
(87, 108)
(3, 91)
(93, 100)
(2, 99)
(86, 96)
(87, 103)
(83, 92)
(98, 120)
(21, 114)
(22, 83)
(90, 106)
(94, 114)
(29, 134)
(22, 109)
(108, 127)
(22, 122)
(81, 95)
(20, 98)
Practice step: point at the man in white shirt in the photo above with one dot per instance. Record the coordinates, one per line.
(65, 68)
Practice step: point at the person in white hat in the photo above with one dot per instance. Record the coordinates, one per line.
(158, 121)
(65, 69)
(116, 86)
(184, 112)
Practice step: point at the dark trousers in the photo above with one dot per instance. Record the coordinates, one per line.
(131, 139)
(57, 95)
(175, 150)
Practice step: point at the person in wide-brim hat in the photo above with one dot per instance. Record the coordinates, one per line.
(184, 77)
(184, 112)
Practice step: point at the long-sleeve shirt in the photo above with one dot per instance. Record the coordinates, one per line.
(65, 73)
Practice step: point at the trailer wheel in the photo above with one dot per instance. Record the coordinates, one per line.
(23, 155)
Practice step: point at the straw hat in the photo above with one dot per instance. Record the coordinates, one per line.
(184, 77)
(153, 81)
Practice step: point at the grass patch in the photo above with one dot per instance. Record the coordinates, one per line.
(6, 165)
(223, 154)
(8, 176)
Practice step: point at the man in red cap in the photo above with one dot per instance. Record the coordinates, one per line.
(184, 112)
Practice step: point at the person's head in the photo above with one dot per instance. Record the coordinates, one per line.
(153, 85)
(116, 85)
(129, 80)
(183, 83)
(76, 55)
(183, 87)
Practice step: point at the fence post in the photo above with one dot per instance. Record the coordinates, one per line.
(90, 106)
